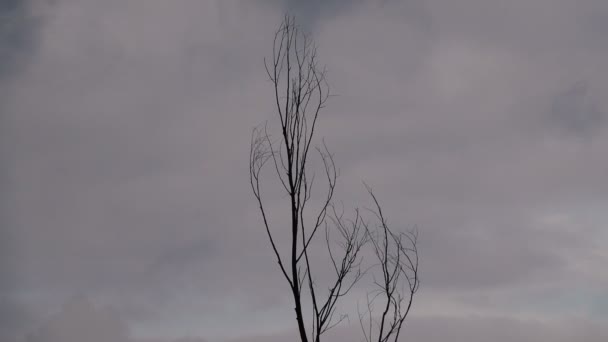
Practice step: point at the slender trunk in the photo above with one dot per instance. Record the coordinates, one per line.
(300, 316)
(294, 271)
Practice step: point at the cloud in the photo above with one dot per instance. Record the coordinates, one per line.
(124, 148)
(312, 12)
(575, 112)
(472, 328)
(14, 319)
(18, 33)
(80, 320)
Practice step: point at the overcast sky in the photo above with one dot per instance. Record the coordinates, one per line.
(125, 208)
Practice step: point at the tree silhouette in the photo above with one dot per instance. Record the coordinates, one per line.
(301, 92)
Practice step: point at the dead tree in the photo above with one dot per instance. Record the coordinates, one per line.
(300, 93)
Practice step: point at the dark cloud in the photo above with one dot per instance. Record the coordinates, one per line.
(314, 13)
(18, 32)
(575, 112)
(310, 12)
(14, 319)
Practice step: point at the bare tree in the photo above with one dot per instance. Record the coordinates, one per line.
(300, 93)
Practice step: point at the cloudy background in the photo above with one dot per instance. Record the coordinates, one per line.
(125, 209)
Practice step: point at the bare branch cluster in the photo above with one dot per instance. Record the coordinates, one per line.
(300, 92)
(397, 258)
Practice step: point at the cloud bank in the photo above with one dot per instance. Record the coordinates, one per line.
(123, 161)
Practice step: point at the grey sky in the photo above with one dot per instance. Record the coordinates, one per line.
(125, 131)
